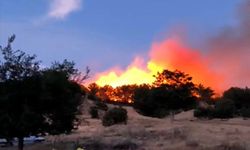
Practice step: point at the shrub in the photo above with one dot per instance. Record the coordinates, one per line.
(93, 111)
(245, 112)
(160, 101)
(114, 116)
(240, 96)
(101, 105)
(171, 91)
(204, 109)
(203, 113)
(224, 108)
(92, 97)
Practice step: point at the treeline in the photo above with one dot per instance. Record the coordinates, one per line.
(173, 92)
(35, 100)
(234, 102)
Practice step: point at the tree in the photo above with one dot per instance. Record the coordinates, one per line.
(33, 101)
(204, 93)
(240, 96)
(172, 91)
(68, 68)
(224, 108)
(93, 90)
(17, 65)
(173, 79)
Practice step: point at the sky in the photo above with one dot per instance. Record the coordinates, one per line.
(104, 33)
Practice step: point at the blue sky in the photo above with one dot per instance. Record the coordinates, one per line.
(104, 33)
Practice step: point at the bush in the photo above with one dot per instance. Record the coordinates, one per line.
(224, 108)
(245, 112)
(101, 105)
(93, 111)
(240, 97)
(115, 116)
(203, 113)
(160, 101)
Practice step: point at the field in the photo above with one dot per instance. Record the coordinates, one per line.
(144, 133)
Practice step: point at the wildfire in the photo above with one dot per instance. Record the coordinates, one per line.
(133, 75)
(170, 54)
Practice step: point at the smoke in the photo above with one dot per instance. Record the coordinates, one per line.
(226, 62)
(229, 50)
(173, 54)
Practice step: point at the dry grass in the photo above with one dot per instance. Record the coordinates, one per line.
(145, 133)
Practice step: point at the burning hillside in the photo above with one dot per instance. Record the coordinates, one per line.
(223, 62)
(170, 54)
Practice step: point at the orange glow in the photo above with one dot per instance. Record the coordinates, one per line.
(170, 54)
(134, 74)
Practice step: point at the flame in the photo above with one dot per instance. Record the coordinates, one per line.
(169, 54)
(134, 74)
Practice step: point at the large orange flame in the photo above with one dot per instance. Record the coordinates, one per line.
(170, 54)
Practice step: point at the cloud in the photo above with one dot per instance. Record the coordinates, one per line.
(60, 9)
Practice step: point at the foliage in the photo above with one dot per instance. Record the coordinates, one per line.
(34, 101)
(114, 116)
(93, 111)
(203, 113)
(234, 102)
(245, 112)
(68, 68)
(101, 105)
(240, 96)
(93, 90)
(204, 93)
(224, 108)
(120, 94)
(16, 65)
(62, 99)
(172, 91)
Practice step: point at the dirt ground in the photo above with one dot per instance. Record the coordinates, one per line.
(145, 133)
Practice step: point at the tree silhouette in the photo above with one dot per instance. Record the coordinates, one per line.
(172, 91)
(240, 96)
(204, 93)
(33, 101)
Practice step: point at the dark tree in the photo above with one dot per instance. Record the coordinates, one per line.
(172, 91)
(68, 68)
(93, 89)
(33, 101)
(16, 65)
(115, 115)
(241, 99)
(240, 96)
(224, 108)
(204, 93)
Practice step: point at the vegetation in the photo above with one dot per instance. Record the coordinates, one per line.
(234, 102)
(35, 101)
(121, 94)
(245, 112)
(240, 97)
(203, 112)
(172, 91)
(93, 111)
(224, 108)
(101, 105)
(114, 116)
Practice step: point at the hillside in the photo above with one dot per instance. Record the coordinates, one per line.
(185, 132)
